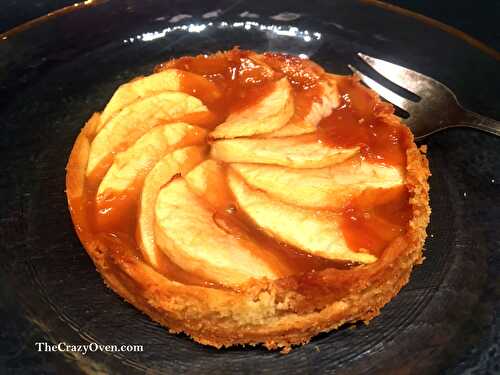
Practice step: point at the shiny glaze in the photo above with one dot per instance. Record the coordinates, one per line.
(304, 76)
(234, 81)
(113, 221)
(377, 216)
(239, 79)
(362, 120)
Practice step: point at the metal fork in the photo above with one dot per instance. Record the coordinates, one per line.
(438, 107)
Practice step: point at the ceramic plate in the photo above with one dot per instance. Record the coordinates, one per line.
(56, 71)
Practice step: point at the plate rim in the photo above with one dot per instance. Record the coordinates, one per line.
(78, 6)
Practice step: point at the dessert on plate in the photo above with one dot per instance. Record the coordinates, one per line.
(247, 198)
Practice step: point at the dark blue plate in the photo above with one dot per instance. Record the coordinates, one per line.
(56, 71)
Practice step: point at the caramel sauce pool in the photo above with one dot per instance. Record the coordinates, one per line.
(235, 81)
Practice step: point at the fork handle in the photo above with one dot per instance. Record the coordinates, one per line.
(477, 121)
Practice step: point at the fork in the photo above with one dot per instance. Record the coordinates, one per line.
(438, 107)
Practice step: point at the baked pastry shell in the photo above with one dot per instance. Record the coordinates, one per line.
(279, 313)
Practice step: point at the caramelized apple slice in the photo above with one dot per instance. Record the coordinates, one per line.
(135, 120)
(131, 166)
(141, 87)
(270, 113)
(208, 181)
(295, 152)
(187, 233)
(328, 188)
(305, 123)
(317, 233)
(91, 126)
(180, 161)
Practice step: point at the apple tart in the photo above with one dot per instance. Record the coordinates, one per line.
(247, 198)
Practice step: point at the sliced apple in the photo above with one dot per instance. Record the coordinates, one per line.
(180, 161)
(135, 120)
(187, 233)
(131, 166)
(269, 114)
(317, 233)
(91, 126)
(307, 123)
(328, 188)
(296, 152)
(141, 87)
(208, 180)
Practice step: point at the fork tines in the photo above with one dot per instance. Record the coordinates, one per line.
(383, 91)
(416, 83)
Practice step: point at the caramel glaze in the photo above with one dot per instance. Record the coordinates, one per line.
(303, 75)
(234, 81)
(114, 223)
(376, 217)
(362, 120)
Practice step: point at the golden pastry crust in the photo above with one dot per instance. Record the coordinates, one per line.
(277, 313)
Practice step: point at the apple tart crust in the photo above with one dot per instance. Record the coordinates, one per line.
(247, 198)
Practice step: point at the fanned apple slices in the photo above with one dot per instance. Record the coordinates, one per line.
(187, 232)
(317, 233)
(306, 121)
(142, 87)
(122, 130)
(130, 167)
(270, 113)
(236, 197)
(173, 164)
